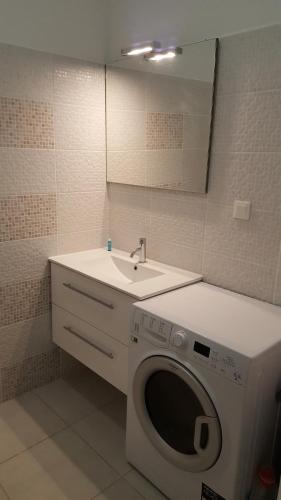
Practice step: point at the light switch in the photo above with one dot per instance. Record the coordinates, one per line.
(241, 210)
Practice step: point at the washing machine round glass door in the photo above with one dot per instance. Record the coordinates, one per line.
(177, 414)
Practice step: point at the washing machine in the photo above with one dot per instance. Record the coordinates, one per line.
(204, 368)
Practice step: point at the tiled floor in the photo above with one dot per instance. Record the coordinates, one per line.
(66, 441)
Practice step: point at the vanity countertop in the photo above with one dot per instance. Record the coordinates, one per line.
(117, 270)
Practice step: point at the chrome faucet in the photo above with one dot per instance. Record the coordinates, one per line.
(142, 250)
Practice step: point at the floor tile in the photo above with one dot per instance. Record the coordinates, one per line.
(60, 468)
(104, 430)
(24, 422)
(143, 486)
(121, 490)
(94, 388)
(65, 400)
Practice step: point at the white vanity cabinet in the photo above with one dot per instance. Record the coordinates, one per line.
(90, 321)
(92, 294)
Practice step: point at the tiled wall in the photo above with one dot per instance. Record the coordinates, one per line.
(157, 129)
(52, 197)
(198, 232)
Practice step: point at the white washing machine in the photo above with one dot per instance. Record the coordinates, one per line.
(204, 367)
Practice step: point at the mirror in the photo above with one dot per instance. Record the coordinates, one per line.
(159, 117)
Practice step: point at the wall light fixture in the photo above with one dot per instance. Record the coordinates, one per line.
(143, 48)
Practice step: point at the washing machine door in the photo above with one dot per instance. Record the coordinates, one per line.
(177, 414)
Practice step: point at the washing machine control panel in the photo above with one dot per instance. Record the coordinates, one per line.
(154, 329)
(190, 346)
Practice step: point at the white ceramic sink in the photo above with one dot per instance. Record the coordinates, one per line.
(119, 271)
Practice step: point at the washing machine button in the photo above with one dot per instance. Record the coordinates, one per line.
(179, 340)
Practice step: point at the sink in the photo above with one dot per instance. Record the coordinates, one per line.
(134, 272)
(119, 271)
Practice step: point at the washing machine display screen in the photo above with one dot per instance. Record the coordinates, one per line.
(202, 349)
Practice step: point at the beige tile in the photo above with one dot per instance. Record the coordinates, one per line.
(26, 124)
(104, 430)
(66, 401)
(143, 486)
(25, 339)
(24, 300)
(23, 260)
(26, 171)
(164, 130)
(80, 171)
(125, 89)
(126, 130)
(27, 216)
(61, 468)
(30, 373)
(120, 490)
(24, 422)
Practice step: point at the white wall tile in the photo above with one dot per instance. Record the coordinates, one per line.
(250, 61)
(125, 89)
(246, 176)
(128, 167)
(25, 74)
(80, 171)
(196, 131)
(79, 127)
(240, 276)
(81, 211)
(164, 168)
(248, 122)
(82, 240)
(128, 216)
(24, 340)
(194, 170)
(78, 82)
(164, 94)
(256, 240)
(126, 130)
(26, 259)
(27, 171)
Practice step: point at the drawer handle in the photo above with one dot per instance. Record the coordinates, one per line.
(104, 351)
(100, 301)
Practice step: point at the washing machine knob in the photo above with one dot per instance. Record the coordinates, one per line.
(179, 340)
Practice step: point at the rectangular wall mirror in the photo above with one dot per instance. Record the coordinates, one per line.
(159, 117)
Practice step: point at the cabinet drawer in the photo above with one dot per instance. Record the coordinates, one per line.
(98, 304)
(95, 349)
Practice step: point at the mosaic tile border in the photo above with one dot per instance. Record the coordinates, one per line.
(31, 373)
